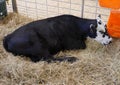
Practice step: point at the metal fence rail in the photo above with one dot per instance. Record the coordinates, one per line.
(38, 9)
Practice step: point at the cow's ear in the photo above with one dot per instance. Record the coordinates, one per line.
(92, 28)
(98, 17)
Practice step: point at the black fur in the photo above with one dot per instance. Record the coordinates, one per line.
(43, 38)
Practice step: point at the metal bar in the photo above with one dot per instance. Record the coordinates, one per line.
(82, 11)
(14, 6)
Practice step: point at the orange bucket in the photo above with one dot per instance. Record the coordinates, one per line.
(113, 25)
(114, 4)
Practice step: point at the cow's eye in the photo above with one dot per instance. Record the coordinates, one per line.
(101, 32)
(103, 35)
(100, 22)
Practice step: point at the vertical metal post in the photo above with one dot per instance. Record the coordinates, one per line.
(82, 11)
(14, 6)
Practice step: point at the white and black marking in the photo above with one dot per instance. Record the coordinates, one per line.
(103, 38)
(102, 35)
(41, 39)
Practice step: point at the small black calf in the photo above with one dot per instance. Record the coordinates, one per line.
(43, 38)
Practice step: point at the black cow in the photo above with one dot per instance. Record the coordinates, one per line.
(43, 38)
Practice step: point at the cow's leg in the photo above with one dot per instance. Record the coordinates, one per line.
(79, 44)
(75, 44)
(41, 54)
(82, 45)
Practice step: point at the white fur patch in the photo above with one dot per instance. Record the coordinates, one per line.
(102, 37)
(100, 27)
(103, 40)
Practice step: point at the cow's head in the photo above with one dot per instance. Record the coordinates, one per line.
(101, 31)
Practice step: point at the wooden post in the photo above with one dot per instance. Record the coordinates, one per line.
(14, 6)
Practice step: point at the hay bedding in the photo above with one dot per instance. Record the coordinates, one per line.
(97, 65)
